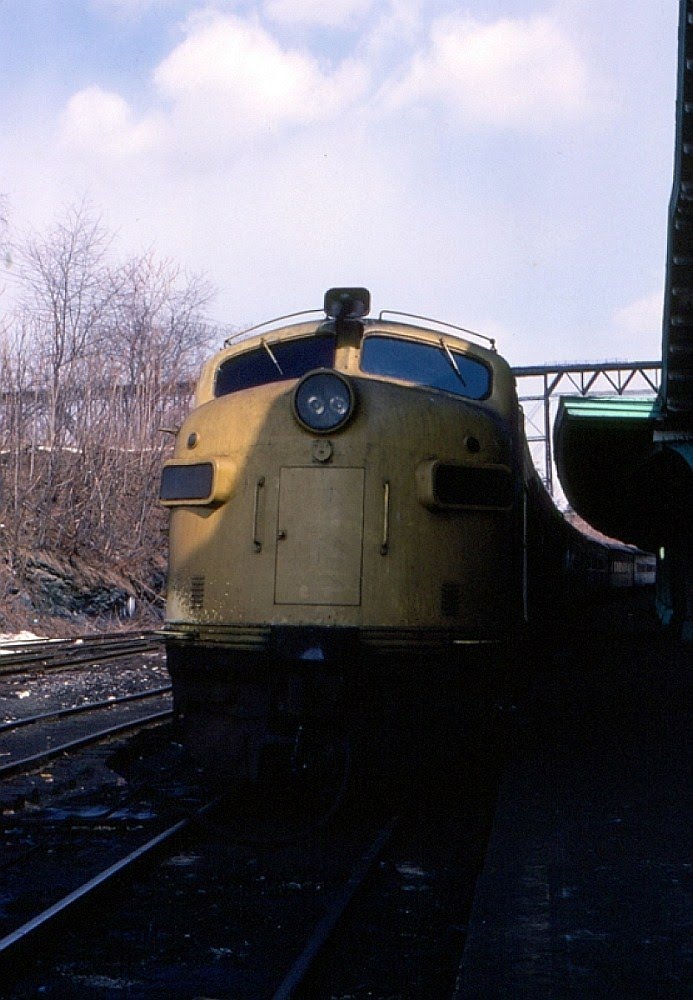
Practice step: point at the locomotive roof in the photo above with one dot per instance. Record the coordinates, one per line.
(345, 317)
(346, 309)
(279, 323)
(452, 335)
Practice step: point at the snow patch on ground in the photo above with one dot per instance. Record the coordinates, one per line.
(23, 636)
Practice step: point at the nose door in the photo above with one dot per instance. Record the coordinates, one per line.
(319, 536)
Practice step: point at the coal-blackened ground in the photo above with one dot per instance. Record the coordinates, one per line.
(226, 916)
(590, 773)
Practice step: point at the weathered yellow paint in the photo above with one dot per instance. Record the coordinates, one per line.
(319, 536)
(328, 568)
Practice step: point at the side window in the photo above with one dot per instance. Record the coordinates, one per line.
(435, 365)
(288, 359)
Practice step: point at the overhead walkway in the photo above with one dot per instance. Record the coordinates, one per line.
(540, 387)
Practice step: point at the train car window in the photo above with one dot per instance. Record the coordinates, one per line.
(435, 365)
(274, 362)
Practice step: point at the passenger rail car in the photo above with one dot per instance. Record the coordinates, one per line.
(352, 506)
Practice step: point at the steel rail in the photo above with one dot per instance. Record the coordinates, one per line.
(56, 653)
(106, 636)
(95, 638)
(92, 706)
(27, 763)
(41, 921)
(42, 645)
(326, 926)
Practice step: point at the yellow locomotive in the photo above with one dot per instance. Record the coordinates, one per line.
(353, 513)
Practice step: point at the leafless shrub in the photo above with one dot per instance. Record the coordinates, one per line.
(98, 358)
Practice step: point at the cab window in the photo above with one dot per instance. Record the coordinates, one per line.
(436, 365)
(282, 360)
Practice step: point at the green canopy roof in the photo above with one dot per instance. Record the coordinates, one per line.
(608, 408)
(601, 445)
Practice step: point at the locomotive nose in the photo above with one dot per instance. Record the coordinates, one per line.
(323, 401)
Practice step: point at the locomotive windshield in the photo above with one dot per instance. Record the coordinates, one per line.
(284, 359)
(436, 365)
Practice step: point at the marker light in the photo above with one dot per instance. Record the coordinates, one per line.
(347, 303)
(323, 401)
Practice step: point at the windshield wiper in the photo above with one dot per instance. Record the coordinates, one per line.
(453, 364)
(271, 354)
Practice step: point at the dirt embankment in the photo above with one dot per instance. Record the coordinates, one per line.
(55, 596)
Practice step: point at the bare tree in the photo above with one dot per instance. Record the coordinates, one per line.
(155, 339)
(66, 289)
(100, 356)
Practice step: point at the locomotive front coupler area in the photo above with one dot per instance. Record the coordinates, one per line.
(313, 644)
(241, 713)
(308, 667)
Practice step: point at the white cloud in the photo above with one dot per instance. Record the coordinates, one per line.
(230, 78)
(98, 122)
(260, 157)
(522, 73)
(328, 13)
(642, 317)
(400, 23)
(230, 81)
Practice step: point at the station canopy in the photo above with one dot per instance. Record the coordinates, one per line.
(601, 447)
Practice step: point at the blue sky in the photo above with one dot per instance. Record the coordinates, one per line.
(501, 165)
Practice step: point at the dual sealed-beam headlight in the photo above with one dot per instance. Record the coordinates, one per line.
(323, 401)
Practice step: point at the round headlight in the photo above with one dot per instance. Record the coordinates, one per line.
(323, 401)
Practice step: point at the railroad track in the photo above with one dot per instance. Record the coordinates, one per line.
(294, 982)
(293, 915)
(85, 707)
(91, 822)
(64, 713)
(69, 905)
(52, 654)
(23, 765)
(47, 923)
(206, 917)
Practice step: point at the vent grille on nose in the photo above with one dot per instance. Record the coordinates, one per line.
(197, 592)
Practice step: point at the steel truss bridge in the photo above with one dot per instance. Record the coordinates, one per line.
(541, 386)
